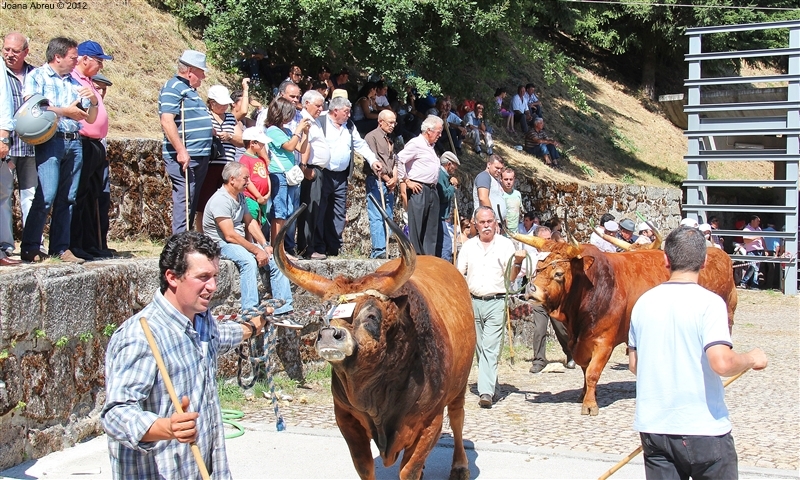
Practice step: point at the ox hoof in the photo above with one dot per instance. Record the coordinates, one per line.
(592, 410)
(460, 473)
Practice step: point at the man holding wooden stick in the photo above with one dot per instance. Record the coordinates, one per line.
(679, 346)
(148, 436)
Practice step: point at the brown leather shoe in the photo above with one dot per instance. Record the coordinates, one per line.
(8, 262)
(67, 256)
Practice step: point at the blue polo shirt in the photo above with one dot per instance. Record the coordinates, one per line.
(198, 120)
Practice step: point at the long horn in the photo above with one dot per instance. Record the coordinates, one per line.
(657, 243)
(532, 240)
(570, 238)
(613, 240)
(313, 283)
(392, 282)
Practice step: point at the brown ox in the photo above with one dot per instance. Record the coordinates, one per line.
(593, 292)
(404, 355)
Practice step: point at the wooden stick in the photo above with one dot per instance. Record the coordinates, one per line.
(383, 205)
(162, 369)
(638, 450)
(185, 169)
(449, 136)
(456, 228)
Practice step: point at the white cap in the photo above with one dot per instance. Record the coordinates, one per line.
(255, 133)
(611, 226)
(689, 222)
(704, 227)
(220, 94)
(643, 226)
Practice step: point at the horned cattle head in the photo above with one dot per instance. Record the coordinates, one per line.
(375, 311)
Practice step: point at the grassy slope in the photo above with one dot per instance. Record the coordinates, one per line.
(618, 140)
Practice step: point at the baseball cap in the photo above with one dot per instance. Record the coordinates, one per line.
(193, 58)
(704, 227)
(102, 79)
(93, 49)
(627, 224)
(255, 133)
(689, 222)
(644, 226)
(220, 94)
(611, 226)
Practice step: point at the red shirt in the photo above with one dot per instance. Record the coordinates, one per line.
(259, 175)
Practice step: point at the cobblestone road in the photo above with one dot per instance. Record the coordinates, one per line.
(542, 410)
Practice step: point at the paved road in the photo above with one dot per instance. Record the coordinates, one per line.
(535, 430)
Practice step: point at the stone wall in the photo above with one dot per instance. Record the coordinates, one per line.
(142, 204)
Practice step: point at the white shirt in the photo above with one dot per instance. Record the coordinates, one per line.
(485, 268)
(600, 243)
(381, 101)
(677, 392)
(519, 105)
(316, 141)
(335, 153)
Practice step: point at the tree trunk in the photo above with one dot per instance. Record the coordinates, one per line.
(649, 73)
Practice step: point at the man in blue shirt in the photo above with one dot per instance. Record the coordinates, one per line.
(187, 135)
(58, 160)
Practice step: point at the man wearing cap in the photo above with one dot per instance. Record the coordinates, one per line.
(625, 231)
(645, 233)
(382, 189)
(101, 84)
(85, 233)
(20, 157)
(418, 167)
(60, 159)
(187, 135)
(610, 227)
(446, 189)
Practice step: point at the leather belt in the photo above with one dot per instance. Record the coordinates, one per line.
(429, 185)
(69, 135)
(497, 296)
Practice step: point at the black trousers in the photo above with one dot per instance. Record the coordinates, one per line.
(332, 212)
(540, 321)
(310, 194)
(423, 219)
(85, 226)
(679, 457)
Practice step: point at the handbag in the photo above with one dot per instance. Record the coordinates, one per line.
(294, 175)
(217, 149)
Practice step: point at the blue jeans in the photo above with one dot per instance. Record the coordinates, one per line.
(752, 269)
(285, 200)
(58, 163)
(444, 241)
(248, 277)
(544, 149)
(377, 227)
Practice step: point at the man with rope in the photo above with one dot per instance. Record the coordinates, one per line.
(147, 438)
(679, 346)
(483, 261)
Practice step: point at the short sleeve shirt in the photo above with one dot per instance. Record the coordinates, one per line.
(223, 205)
(280, 157)
(259, 176)
(513, 209)
(196, 118)
(484, 180)
(677, 392)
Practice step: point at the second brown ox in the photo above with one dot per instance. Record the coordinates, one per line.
(593, 293)
(403, 356)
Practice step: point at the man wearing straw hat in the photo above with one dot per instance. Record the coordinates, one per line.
(147, 438)
(187, 136)
(679, 346)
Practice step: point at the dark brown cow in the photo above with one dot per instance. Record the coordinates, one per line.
(401, 359)
(593, 292)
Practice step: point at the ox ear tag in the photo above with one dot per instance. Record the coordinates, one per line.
(343, 310)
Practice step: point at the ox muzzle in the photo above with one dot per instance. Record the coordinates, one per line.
(334, 344)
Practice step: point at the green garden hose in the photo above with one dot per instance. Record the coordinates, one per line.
(228, 417)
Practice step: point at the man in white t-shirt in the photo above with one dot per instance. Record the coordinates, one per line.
(679, 346)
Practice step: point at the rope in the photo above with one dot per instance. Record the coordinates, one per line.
(508, 281)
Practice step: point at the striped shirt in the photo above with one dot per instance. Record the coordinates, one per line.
(136, 396)
(198, 120)
(61, 91)
(18, 147)
(228, 125)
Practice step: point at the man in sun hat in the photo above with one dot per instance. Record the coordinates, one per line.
(187, 135)
(646, 234)
(85, 229)
(626, 229)
(610, 227)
